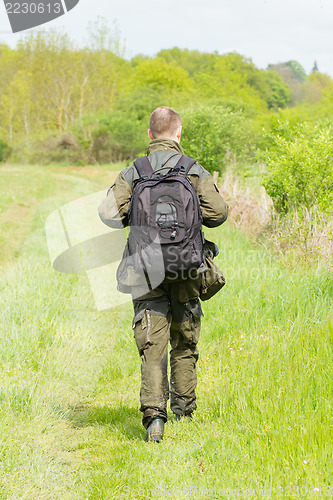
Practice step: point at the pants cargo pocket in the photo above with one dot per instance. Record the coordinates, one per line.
(195, 329)
(190, 327)
(141, 327)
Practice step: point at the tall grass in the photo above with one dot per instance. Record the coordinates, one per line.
(70, 425)
(306, 234)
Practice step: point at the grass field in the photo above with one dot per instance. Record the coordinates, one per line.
(70, 425)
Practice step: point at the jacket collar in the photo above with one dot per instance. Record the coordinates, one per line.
(164, 145)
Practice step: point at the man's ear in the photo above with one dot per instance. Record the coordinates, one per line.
(179, 133)
(150, 134)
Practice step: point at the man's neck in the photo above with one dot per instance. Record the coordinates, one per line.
(164, 145)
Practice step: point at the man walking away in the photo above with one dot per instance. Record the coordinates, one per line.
(171, 312)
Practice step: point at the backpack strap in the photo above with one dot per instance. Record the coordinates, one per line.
(143, 167)
(184, 164)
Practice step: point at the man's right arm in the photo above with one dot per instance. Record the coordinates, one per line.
(113, 211)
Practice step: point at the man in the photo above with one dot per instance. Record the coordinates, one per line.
(172, 311)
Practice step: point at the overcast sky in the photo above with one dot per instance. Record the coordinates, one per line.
(267, 31)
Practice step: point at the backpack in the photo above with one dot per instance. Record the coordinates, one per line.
(165, 241)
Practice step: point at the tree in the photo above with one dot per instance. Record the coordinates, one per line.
(326, 103)
(234, 78)
(278, 93)
(161, 82)
(192, 61)
(160, 75)
(46, 57)
(213, 135)
(10, 60)
(105, 38)
(315, 68)
(67, 82)
(15, 104)
(315, 85)
(294, 75)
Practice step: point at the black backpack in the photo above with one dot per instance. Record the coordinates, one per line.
(165, 242)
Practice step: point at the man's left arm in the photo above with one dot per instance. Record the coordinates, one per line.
(214, 208)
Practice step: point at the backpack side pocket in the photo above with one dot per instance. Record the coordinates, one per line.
(212, 280)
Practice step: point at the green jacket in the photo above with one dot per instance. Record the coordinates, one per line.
(163, 155)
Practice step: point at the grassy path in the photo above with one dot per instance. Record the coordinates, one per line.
(70, 427)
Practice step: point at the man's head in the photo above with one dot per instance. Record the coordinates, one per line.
(165, 123)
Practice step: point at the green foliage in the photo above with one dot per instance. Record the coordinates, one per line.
(192, 61)
(158, 74)
(278, 93)
(293, 74)
(111, 137)
(289, 71)
(215, 135)
(297, 70)
(299, 164)
(315, 85)
(233, 77)
(56, 83)
(315, 68)
(125, 137)
(5, 151)
(50, 90)
(152, 83)
(326, 104)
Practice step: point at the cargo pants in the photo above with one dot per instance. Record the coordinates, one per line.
(161, 317)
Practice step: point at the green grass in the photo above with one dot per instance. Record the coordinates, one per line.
(70, 426)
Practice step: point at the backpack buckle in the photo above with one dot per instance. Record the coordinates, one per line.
(179, 169)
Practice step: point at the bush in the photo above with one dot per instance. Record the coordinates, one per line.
(111, 137)
(5, 151)
(214, 134)
(50, 148)
(299, 163)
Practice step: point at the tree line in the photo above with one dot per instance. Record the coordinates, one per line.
(59, 102)
(90, 105)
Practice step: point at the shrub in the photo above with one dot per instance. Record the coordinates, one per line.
(299, 162)
(5, 151)
(111, 137)
(50, 148)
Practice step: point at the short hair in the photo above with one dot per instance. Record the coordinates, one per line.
(164, 122)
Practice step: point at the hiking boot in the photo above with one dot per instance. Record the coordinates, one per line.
(155, 430)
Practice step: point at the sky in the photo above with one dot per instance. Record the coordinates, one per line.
(266, 31)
